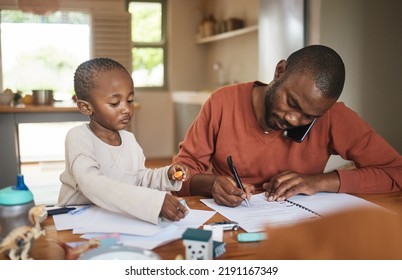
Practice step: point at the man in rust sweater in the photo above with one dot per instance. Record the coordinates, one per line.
(247, 121)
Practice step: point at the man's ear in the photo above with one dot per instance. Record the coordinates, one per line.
(280, 69)
(84, 107)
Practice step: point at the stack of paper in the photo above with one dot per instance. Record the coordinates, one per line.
(93, 221)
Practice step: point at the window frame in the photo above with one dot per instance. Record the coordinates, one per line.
(162, 44)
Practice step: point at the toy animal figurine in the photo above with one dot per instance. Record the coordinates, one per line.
(18, 242)
(51, 249)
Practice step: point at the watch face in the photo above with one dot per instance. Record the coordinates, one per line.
(119, 252)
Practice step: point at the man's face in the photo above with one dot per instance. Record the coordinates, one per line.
(294, 101)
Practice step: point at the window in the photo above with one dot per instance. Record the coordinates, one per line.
(148, 34)
(43, 51)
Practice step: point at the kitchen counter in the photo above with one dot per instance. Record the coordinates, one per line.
(56, 107)
(190, 97)
(12, 116)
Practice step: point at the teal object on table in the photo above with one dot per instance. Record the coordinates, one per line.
(15, 203)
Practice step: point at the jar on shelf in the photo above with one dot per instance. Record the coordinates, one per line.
(208, 26)
(233, 24)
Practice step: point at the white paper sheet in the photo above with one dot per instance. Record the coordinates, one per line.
(261, 213)
(107, 222)
(96, 221)
(328, 203)
(171, 231)
(75, 218)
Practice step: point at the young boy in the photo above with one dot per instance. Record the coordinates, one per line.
(104, 162)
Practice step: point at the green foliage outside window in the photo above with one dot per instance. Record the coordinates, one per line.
(146, 22)
(148, 43)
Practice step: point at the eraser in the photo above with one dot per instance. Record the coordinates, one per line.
(251, 236)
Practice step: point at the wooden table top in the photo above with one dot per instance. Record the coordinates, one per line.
(234, 249)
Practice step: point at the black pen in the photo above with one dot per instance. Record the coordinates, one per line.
(236, 176)
(62, 210)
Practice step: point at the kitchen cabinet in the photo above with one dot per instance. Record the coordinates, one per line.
(11, 117)
(187, 105)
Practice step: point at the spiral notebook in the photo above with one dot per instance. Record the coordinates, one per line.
(302, 207)
(296, 209)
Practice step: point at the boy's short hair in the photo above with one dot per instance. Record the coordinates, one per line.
(88, 72)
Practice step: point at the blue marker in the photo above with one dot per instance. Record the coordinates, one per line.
(183, 202)
(79, 210)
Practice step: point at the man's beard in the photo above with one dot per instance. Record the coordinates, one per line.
(269, 100)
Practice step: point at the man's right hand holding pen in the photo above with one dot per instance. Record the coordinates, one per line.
(225, 192)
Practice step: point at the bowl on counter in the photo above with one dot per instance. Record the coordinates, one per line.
(42, 97)
(6, 98)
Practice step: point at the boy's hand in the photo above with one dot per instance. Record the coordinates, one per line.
(178, 172)
(172, 209)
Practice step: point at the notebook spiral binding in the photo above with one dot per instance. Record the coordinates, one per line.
(303, 207)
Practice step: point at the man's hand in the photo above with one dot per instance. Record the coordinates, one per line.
(225, 192)
(288, 183)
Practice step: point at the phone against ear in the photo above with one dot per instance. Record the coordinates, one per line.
(298, 133)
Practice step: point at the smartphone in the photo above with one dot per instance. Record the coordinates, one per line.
(298, 133)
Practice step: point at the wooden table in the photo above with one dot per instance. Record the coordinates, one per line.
(234, 250)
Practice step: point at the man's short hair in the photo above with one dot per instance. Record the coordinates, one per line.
(323, 64)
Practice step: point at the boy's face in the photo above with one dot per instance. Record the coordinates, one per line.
(112, 100)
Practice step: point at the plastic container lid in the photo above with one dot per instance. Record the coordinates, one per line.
(119, 252)
(11, 196)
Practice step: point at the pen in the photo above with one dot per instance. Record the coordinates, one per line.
(57, 211)
(236, 176)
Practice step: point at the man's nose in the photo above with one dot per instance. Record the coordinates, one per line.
(293, 118)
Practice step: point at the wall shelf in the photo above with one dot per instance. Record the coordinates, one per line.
(227, 35)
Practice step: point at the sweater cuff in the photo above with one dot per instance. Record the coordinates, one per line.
(349, 181)
(154, 216)
(185, 189)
